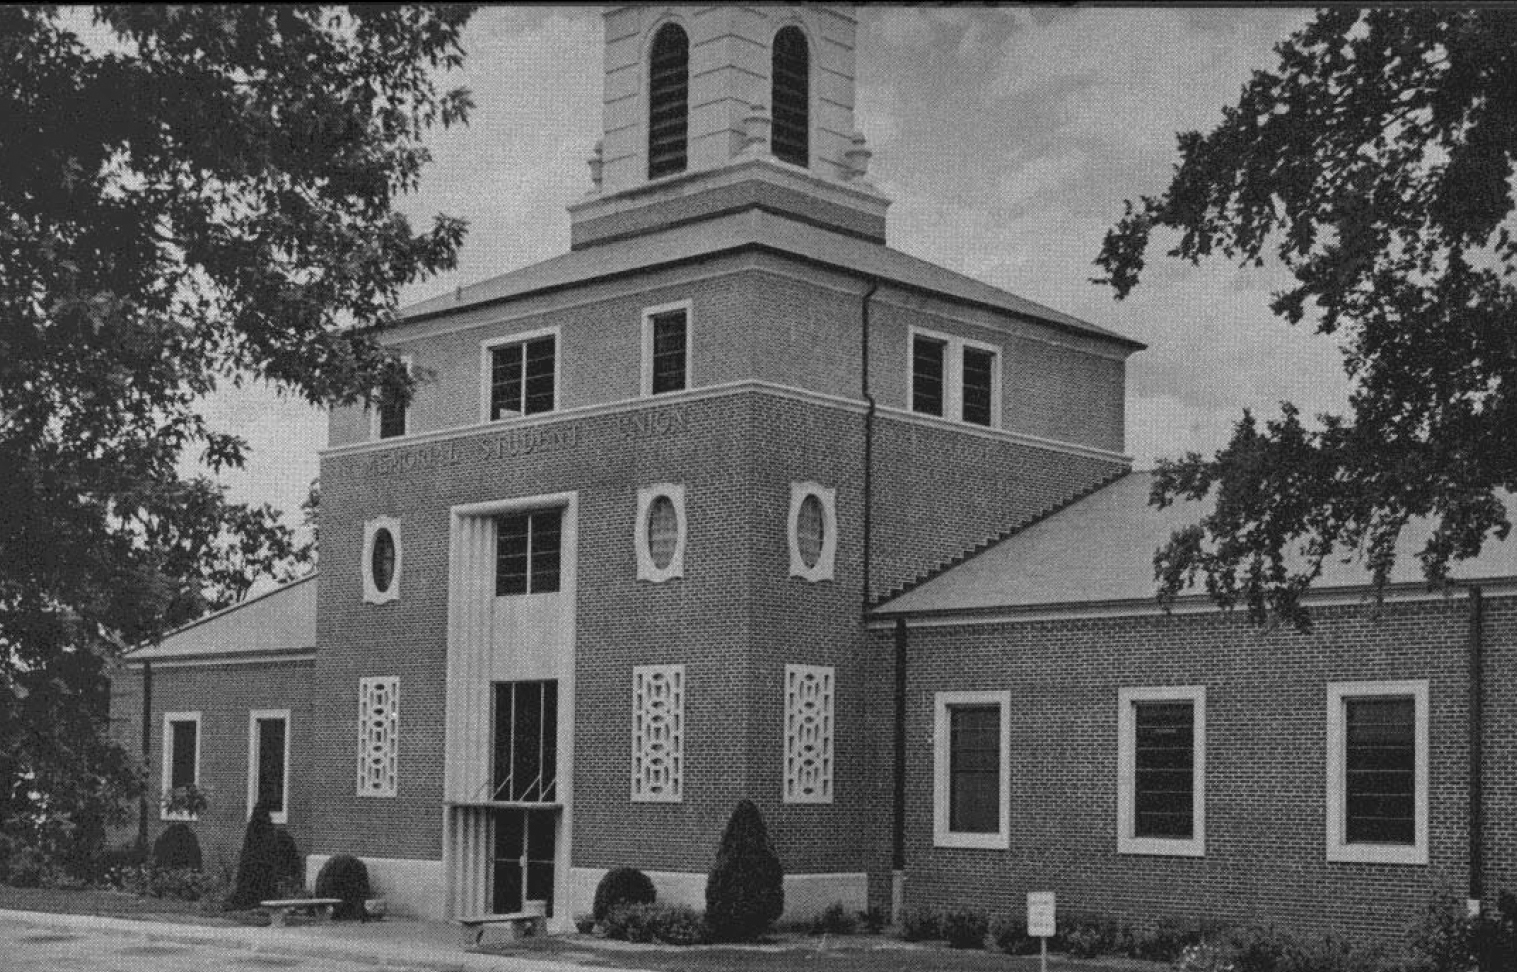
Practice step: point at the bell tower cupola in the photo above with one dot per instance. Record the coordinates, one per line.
(715, 109)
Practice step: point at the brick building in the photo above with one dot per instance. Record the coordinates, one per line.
(638, 546)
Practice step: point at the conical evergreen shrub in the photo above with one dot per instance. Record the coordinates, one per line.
(745, 891)
(258, 866)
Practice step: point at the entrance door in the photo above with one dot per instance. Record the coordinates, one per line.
(525, 840)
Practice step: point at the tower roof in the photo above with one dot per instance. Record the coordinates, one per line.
(753, 230)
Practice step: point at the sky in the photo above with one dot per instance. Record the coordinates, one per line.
(1007, 139)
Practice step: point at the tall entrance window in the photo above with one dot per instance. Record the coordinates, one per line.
(791, 97)
(668, 101)
(269, 761)
(525, 773)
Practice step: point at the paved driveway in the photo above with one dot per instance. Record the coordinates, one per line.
(26, 946)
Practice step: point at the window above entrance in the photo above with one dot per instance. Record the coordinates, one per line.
(528, 553)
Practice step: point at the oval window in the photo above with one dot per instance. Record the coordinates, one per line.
(382, 560)
(663, 532)
(810, 530)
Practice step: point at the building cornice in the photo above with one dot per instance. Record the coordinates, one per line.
(855, 405)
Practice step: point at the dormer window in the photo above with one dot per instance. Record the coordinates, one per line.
(790, 97)
(668, 101)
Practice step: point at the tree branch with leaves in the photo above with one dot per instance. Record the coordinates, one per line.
(1375, 163)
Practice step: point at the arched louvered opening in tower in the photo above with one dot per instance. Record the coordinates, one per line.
(668, 101)
(791, 97)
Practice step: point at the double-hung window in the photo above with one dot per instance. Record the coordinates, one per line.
(269, 761)
(181, 757)
(972, 769)
(1377, 771)
(391, 415)
(666, 348)
(521, 376)
(528, 551)
(1161, 757)
(955, 378)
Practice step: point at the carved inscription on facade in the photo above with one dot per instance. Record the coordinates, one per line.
(515, 444)
(653, 423)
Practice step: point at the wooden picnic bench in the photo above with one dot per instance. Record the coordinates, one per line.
(282, 908)
(516, 925)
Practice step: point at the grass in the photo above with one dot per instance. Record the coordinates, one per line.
(118, 904)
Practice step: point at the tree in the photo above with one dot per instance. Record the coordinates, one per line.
(1376, 161)
(205, 195)
(745, 891)
(258, 865)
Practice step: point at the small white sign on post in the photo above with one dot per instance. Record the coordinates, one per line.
(1040, 916)
(1040, 922)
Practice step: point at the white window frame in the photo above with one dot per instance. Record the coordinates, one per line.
(1127, 842)
(1338, 849)
(373, 410)
(953, 375)
(826, 560)
(646, 377)
(941, 835)
(254, 717)
(647, 568)
(168, 758)
(371, 592)
(486, 351)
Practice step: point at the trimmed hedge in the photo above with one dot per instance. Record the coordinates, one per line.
(177, 848)
(345, 877)
(622, 886)
(745, 891)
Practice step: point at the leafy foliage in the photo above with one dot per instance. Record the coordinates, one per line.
(619, 886)
(345, 877)
(259, 864)
(177, 848)
(655, 922)
(745, 890)
(1375, 162)
(196, 196)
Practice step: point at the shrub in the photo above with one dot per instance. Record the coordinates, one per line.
(1253, 948)
(873, 919)
(668, 923)
(584, 924)
(1090, 937)
(345, 877)
(834, 920)
(745, 891)
(1162, 941)
(620, 886)
(177, 848)
(965, 928)
(1205, 957)
(1009, 935)
(258, 865)
(1449, 940)
(921, 924)
(288, 864)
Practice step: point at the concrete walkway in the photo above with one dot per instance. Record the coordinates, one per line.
(392, 943)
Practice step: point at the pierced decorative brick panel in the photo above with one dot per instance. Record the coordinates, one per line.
(808, 733)
(378, 736)
(658, 733)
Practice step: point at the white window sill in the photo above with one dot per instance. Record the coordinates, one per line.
(178, 817)
(974, 841)
(1161, 846)
(1376, 854)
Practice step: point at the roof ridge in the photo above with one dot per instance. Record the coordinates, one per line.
(997, 539)
(229, 609)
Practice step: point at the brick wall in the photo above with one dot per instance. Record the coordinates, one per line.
(223, 695)
(1265, 763)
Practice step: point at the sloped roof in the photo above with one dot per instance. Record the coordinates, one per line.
(1101, 550)
(281, 621)
(752, 229)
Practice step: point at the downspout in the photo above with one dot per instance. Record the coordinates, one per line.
(147, 740)
(1476, 747)
(898, 830)
(874, 285)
